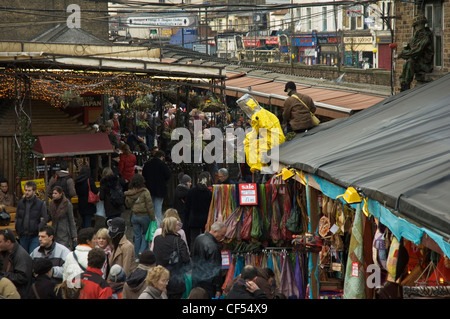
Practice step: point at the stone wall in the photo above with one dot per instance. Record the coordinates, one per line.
(352, 75)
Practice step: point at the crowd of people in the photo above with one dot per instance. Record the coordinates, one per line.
(57, 250)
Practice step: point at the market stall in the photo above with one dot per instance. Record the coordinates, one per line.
(73, 147)
(370, 205)
(393, 158)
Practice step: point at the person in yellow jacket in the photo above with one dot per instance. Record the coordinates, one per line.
(266, 133)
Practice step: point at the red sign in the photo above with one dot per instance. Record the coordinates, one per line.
(248, 194)
(271, 40)
(251, 42)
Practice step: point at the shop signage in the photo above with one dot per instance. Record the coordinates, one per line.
(272, 40)
(226, 259)
(40, 189)
(358, 40)
(248, 194)
(303, 41)
(142, 21)
(251, 42)
(354, 11)
(329, 40)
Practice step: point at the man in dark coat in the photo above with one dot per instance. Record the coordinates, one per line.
(196, 209)
(245, 287)
(156, 174)
(179, 197)
(15, 262)
(207, 260)
(31, 214)
(86, 209)
(108, 183)
(296, 110)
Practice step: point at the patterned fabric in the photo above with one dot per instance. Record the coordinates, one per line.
(354, 283)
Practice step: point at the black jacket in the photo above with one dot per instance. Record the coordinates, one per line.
(179, 200)
(20, 269)
(156, 174)
(163, 247)
(197, 205)
(106, 184)
(45, 288)
(38, 209)
(81, 186)
(239, 291)
(207, 264)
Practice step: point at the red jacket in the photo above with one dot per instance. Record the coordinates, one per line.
(95, 287)
(126, 166)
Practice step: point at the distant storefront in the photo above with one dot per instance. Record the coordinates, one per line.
(359, 51)
(328, 48)
(305, 48)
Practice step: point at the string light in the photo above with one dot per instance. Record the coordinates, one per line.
(57, 86)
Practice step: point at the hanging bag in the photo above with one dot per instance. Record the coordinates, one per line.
(151, 230)
(294, 222)
(92, 198)
(315, 120)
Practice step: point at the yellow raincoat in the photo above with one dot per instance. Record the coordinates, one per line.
(266, 132)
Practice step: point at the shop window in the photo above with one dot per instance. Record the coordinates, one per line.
(324, 19)
(308, 19)
(433, 13)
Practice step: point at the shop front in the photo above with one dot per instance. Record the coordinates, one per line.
(328, 48)
(305, 48)
(359, 51)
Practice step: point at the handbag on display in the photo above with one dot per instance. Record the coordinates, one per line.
(92, 198)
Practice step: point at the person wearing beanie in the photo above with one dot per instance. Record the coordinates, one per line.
(135, 282)
(296, 110)
(122, 249)
(179, 196)
(117, 279)
(44, 286)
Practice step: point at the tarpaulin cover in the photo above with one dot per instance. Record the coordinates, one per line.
(73, 144)
(397, 152)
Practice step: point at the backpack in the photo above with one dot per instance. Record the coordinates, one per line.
(117, 197)
(62, 181)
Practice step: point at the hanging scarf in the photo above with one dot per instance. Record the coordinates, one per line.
(58, 208)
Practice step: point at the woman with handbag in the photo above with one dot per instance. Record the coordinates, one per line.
(139, 200)
(171, 252)
(84, 184)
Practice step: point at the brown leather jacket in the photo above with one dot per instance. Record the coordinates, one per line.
(296, 114)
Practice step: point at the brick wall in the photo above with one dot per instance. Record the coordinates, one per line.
(404, 13)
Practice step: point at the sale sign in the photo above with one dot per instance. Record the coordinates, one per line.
(248, 194)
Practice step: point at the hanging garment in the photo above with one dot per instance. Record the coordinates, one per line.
(276, 267)
(256, 231)
(275, 231)
(240, 263)
(230, 273)
(246, 231)
(232, 224)
(355, 281)
(288, 285)
(285, 203)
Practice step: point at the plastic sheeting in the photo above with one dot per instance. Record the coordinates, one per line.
(397, 152)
